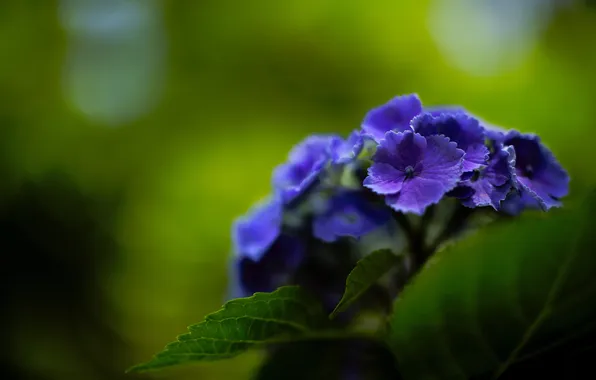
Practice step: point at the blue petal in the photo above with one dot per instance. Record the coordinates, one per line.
(394, 115)
(460, 128)
(276, 268)
(416, 196)
(439, 110)
(538, 172)
(344, 151)
(493, 183)
(517, 201)
(349, 214)
(495, 134)
(431, 167)
(301, 171)
(400, 149)
(384, 179)
(255, 232)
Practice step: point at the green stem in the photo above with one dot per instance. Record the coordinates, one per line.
(419, 251)
(415, 238)
(454, 225)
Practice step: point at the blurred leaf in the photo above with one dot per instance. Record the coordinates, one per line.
(510, 293)
(241, 324)
(323, 359)
(367, 271)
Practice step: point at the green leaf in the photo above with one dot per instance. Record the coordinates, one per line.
(510, 293)
(241, 324)
(368, 270)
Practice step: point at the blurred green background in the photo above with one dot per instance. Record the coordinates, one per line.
(132, 132)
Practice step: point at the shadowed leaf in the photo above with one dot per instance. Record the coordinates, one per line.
(510, 293)
(367, 271)
(241, 324)
(325, 359)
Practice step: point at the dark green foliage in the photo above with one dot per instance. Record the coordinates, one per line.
(241, 324)
(502, 300)
(367, 271)
(329, 359)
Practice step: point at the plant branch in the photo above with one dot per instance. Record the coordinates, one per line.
(415, 239)
(453, 226)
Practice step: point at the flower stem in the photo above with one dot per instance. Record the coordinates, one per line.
(453, 226)
(419, 251)
(416, 237)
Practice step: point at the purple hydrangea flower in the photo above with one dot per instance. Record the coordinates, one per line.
(255, 232)
(460, 128)
(414, 171)
(538, 172)
(489, 186)
(305, 162)
(439, 110)
(274, 269)
(517, 201)
(348, 214)
(344, 151)
(495, 136)
(395, 115)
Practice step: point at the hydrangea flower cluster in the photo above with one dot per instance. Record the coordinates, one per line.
(334, 195)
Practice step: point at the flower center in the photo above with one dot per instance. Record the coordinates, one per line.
(409, 171)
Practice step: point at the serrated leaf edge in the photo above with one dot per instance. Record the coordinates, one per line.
(143, 367)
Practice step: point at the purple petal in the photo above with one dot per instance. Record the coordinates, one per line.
(466, 175)
(501, 168)
(476, 157)
(349, 214)
(512, 204)
(442, 161)
(400, 149)
(274, 269)
(518, 201)
(413, 171)
(485, 194)
(494, 133)
(291, 182)
(537, 170)
(460, 128)
(441, 169)
(255, 232)
(554, 178)
(481, 195)
(344, 151)
(539, 192)
(311, 148)
(384, 179)
(394, 115)
(439, 110)
(416, 195)
(305, 162)
(493, 183)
